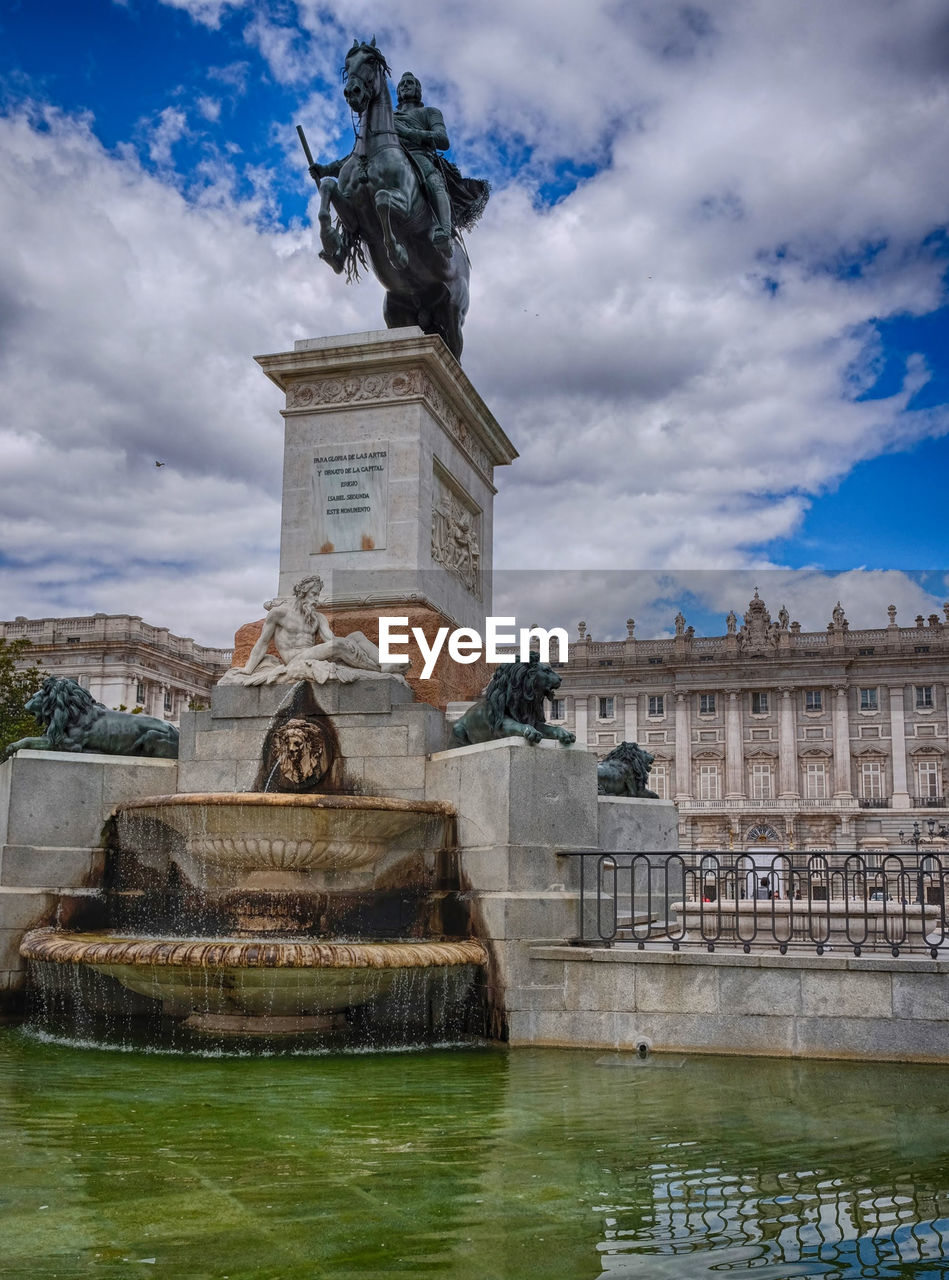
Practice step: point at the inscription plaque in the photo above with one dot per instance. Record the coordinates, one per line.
(350, 497)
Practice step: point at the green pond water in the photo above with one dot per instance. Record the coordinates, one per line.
(471, 1162)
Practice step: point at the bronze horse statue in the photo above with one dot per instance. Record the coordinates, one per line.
(381, 210)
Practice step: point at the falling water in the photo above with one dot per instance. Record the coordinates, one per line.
(240, 921)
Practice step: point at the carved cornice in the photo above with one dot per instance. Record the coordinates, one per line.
(381, 387)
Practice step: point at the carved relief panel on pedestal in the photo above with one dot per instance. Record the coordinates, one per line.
(456, 533)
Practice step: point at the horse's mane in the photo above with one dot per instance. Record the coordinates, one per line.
(516, 690)
(63, 704)
(355, 258)
(371, 52)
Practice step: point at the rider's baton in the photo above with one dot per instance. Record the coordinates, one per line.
(306, 150)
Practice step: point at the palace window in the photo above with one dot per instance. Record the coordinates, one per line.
(871, 779)
(759, 704)
(928, 780)
(761, 780)
(659, 781)
(868, 700)
(924, 697)
(605, 708)
(169, 702)
(657, 704)
(708, 782)
(813, 700)
(815, 780)
(557, 708)
(140, 693)
(706, 704)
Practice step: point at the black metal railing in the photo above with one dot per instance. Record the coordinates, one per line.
(858, 902)
(929, 802)
(874, 802)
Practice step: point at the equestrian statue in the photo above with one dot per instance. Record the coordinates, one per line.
(397, 201)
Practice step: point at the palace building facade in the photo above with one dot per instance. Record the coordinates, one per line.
(123, 661)
(772, 737)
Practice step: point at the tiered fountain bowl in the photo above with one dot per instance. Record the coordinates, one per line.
(269, 841)
(262, 847)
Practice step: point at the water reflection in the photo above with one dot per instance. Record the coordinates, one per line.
(482, 1164)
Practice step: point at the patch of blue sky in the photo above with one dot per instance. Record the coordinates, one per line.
(131, 63)
(904, 336)
(887, 513)
(120, 63)
(567, 175)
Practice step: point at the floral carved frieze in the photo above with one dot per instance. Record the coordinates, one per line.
(404, 384)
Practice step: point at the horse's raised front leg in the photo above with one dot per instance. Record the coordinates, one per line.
(389, 201)
(334, 247)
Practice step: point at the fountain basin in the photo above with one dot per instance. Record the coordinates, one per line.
(250, 837)
(203, 978)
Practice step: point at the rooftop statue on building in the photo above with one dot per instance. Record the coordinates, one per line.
(395, 198)
(308, 649)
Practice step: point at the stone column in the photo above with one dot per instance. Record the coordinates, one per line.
(683, 748)
(631, 718)
(842, 788)
(734, 755)
(580, 709)
(787, 748)
(898, 741)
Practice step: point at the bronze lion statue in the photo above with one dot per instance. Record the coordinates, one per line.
(72, 720)
(625, 772)
(513, 704)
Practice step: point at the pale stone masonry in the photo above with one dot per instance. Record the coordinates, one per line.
(769, 737)
(123, 661)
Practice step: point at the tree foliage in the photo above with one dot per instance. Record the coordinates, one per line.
(17, 685)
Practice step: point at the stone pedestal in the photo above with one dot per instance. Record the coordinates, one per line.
(648, 827)
(388, 482)
(521, 808)
(53, 810)
(382, 733)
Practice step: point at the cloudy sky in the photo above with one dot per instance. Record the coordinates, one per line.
(709, 293)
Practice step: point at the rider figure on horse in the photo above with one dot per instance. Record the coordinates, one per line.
(422, 133)
(454, 201)
(399, 204)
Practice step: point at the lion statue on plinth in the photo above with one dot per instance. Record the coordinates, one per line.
(625, 772)
(513, 704)
(72, 720)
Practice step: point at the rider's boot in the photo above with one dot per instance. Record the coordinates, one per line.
(440, 234)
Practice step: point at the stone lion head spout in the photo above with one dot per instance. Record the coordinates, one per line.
(301, 751)
(513, 705)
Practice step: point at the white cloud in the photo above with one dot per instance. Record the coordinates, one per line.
(670, 346)
(132, 343)
(206, 12)
(170, 127)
